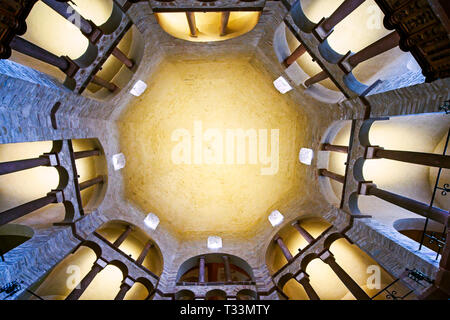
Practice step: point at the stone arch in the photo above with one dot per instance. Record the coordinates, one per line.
(361, 267)
(284, 279)
(413, 228)
(236, 263)
(246, 294)
(294, 241)
(304, 68)
(12, 236)
(89, 168)
(332, 238)
(184, 295)
(338, 133)
(62, 278)
(307, 259)
(134, 244)
(25, 184)
(216, 294)
(94, 246)
(121, 266)
(414, 133)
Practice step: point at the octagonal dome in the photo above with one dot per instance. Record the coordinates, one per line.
(211, 147)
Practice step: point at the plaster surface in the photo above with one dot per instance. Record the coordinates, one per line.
(197, 198)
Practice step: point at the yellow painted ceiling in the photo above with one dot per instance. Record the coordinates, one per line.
(197, 200)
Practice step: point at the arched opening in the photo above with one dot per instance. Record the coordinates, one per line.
(413, 228)
(136, 244)
(325, 282)
(246, 294)
(137, 292)
(365, 271)
(306, 63)
(208, 24)
(23, 186)
(90, 168)
(339, 135)
(294, 290)
(218, 268)
(293, 240)
(216, 295)
(112, 63)
(12, 236)
(59, 282)
(35, 175)
(184, 295)
(106, 284)
(416, 133)
(114, 71)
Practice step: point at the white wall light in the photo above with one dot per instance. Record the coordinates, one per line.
(118, 161)
(275, 218)
(282, 85)
(138, 88)
(151, 221)
(305, 156)
(214, 242)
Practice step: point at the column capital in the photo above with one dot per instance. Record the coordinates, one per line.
(295, 222)
(344, 64)
(326, 256)
(52, 158)
(59, 194)
(102, 263)
(128, 282)
(364, 187)
(370, 152)
(320, 32)
(302, 276)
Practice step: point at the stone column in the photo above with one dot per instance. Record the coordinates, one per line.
(436, 214)
(47, 159)
(91, 182)
(351, 285)
(226, 265)
(287, 254)
(190, 16)
(124, 288)
(23, 46)
(426, 159)
(224, 22)
(303, 279)
(103, 83)
(335, 148)
(144, 252)
(316, 78)
(305, 234)
(297, 53)
(88, 28)
(76, 293)
(123, 236)
(122, 58)
(378, 47)
(331, 175)
(85, 154)
(213, 270)
(7, 216)
(347, 7)
(201, 271)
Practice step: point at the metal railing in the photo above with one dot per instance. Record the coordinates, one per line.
(434, 237)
